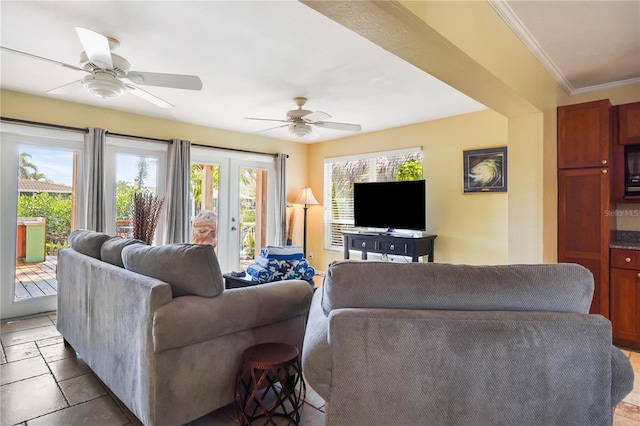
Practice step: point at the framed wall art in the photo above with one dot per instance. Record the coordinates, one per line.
(485, 170)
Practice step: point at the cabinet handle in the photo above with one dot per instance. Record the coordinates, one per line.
(627, 259)
(604, 162)
(364, 244)
(604, 171)
(392, 247)
(638, 274)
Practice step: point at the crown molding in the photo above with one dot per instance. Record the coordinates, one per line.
(508, 15)
(606, 86)
(504, 10)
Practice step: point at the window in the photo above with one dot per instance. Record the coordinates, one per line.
(132, 167)
(341, 173)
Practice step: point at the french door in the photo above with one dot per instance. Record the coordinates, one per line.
(232, 204)
(40, 170)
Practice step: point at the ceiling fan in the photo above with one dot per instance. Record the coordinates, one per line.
(106, 70)
(301, 121)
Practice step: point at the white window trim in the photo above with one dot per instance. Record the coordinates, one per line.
(370, 155)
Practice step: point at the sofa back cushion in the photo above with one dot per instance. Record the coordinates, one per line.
(366, 284)
(88, 242)
(190, 269)
(111, 250)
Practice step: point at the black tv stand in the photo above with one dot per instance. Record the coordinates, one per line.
(386, 243)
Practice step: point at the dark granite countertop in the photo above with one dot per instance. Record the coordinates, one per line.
(629, 240)
(624, 245)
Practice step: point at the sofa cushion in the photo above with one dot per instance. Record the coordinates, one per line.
(190, 269)
(367, 284)
(111, 250)
(88, 242)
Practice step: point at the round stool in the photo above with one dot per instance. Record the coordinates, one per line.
(270, 384)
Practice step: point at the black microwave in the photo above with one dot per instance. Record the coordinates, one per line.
(632, 169)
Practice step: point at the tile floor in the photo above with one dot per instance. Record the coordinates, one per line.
(45, 383)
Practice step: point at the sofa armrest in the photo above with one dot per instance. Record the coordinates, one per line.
(316, 352)
(101, 305)
(192, 319)
(106, 313)
(622, 376)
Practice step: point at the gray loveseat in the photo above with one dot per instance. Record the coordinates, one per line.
(436, 344)
(158, 328)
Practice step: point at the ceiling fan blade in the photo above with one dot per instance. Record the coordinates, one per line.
(66, 88)
(51, 61)
(268, 119)
(96, 46)
(148, 96)
(315, 116)
(176, 81)
(339, 126)
(271, 128)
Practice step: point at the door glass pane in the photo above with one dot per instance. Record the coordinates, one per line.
(252, 214)
(45, 217)
(204, 203)
(135, 174)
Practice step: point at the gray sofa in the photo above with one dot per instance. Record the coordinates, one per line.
(157, 327)
(439, 344)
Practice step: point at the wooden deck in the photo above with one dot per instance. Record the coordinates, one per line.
(36, 279)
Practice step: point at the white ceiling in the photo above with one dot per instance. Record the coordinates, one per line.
(255, 56)
(585, 45)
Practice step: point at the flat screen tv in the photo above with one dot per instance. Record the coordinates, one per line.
(390, 205)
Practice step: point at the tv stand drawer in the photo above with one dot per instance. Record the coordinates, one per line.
(388, 247)
(364, 244)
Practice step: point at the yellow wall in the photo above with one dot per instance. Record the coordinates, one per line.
(471, 228)
(47, 110)
(466, 45)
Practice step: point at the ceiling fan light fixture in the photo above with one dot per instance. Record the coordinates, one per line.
(300, 129)
(103, 85)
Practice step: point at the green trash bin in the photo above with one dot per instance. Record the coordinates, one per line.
(35, 239)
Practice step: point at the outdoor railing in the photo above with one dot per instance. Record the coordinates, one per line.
(124, 228)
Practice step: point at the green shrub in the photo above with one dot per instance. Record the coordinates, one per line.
(56, 209)
(409, 170)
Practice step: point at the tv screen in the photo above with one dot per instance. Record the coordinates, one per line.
(390, 205)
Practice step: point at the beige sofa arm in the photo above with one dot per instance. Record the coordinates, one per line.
(192, 319)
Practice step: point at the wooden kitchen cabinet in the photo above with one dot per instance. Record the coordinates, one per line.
(629, 124)
(584, 227)
(625, 297)
(584, 135)
(626, 136)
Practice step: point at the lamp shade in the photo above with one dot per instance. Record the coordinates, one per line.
(306, 197)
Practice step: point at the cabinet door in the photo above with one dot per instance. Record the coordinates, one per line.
(584, 135)
(629, 124)
(625, 305)
(584, 227)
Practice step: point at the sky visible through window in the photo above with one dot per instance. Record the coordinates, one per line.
(56, 165)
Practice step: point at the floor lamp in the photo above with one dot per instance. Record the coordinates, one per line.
(306, 197)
